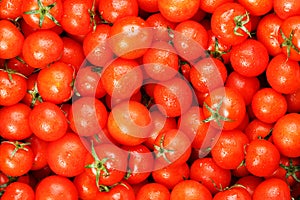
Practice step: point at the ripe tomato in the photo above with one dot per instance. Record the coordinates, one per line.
(267, 33)
(257, 129)
(55, 82)
(96, 46)
(224, 108)
(170, 176)
(18, 65)
(41, 48)
(293, 101)
(129, 123)
(47, 121)
(87, 116)
(262, 158)
(173, 97)
(190, 39)
(266, 190)
(286, 133)
(229, 150)
(283, 74)
(10, 9)
(249, 58)
(153, 191)
(263, 103)
(121, 190)
(16, 158)
(32, 97)
(190, 189)
(86, 186)
(9, 34)
(44, 14)
(249, 182)
(112, 10)
(257, 7)
(286, 8)
(17, 190)
(171, 148)
(39, 149)
(12, 87)
(208, 74)
(178, 10)
(14, 122)
(150, 6)
(237, 192)
(56, 187)
(231, 23)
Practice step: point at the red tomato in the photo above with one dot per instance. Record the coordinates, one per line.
(86, 186)
(39, 149)
(293, 101)
(257, 129)
(250, 182)
(17, 190)
(10, 9)
(17, 64)
(286, 8)
(190, 189)
(237, 192)
(257, 7)
(153, 191)
(121, 190)
(150, 6)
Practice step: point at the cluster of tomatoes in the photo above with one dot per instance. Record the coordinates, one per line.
(149, 99)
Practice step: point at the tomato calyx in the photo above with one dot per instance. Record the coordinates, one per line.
(215, 115)
(105, 188)
(35, 95)
(18, 146)
(43, 11)
(288, 43)
(97, 166)
(92, 14)
(240, 23)
(217, 52)
(291, 170)
(162, 151)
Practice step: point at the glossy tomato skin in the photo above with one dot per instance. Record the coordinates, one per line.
(47, 121)
(153, 191)
(13, 88)
(17, 64)
(41, 48)
(257, 8)
(268, 33)
(250, 182)
(293, 102)
(286, 134)
(85, 186)
(17, 191)
(56, 187)
(15, 164)
(210, 6)
(14, 122)
(234, 192)
(39, 149)
(9, 34)
(265, 190)
(55, 82)
(121, 190)
(286, 8)
(223, 23)
(10, 9)
(257, 129)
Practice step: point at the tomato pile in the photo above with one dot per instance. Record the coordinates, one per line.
(149, 99)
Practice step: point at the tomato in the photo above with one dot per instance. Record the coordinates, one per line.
(115, 78)
(112, 10)
(17, 190)
(249, 182)
(229, 150)
(39, 149)
(267, 33)
(140, 163)
(44, 14)
(170, 176)
(171, 148)
(249, 58)
(150, 6)
(178, 11)
(121, 190)
(286, 8)
(190, 189)
(86, 186)
(47, 121)
(79, 22)
(283, 74)
(208, 74)
(262, 158)
(173, 97)
(72, 53)
(224, 108)
(56, 187)
(257, 7)
(12, 86)
(14, 122)
(160, 62)
(153, 191)
(257, 129)
(231, 23)
(18, 65)
(66, 155)
(16, 158)
(107, 164)
(161, 27)
(32, 97)
(266, 190)
(263, 103)
(190, 39)
(206, 171)
(55, 82)
(233, 193)
(289, 37)
(286, 133)
(10, 9)
(9, 33)
(41, 48)
(293, 101)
